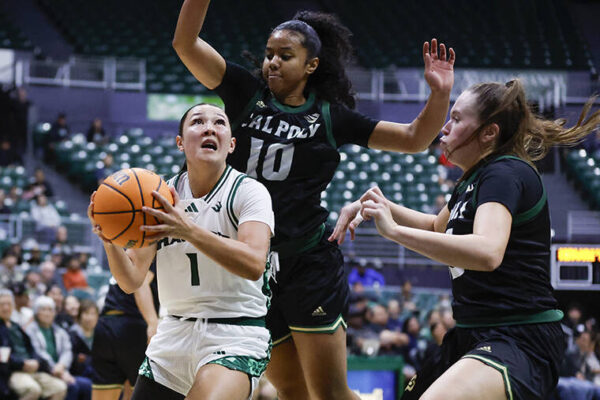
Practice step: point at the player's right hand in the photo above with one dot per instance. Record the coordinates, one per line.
(349, 219)
(95, 227)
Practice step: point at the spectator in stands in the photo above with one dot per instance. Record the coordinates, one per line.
(63, 319)
(572, 324)
(412, 328)
(108, 167)
(8, 155)
(14, 196)
(433, 317)
(17, 249)
(70, 310)
(10, 271)
(394, 309)
(4, 209)
(46, 218)
(74, 277)
(22, 313)
(576, 376)
(391, 340)
(61, 243)
(34, 257)
(49, 276)
(57, 133)
(82, 337)
(53, 344)
(38, 185)
(447, 318)
(33, 284)
(30, 378)
(96, 132)
(407, 296)
(364, 272)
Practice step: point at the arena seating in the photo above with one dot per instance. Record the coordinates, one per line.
(584, 169)
(516, 34)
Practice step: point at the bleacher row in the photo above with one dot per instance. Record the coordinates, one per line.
(498, 34)
(584, 169)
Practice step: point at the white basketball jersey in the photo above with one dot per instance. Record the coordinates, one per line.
(192, 285)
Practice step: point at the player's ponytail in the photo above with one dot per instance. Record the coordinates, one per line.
(521, 132)
(324, 36)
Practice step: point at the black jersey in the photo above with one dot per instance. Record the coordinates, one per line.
(117, 300)
(291, 150)
(521, 284)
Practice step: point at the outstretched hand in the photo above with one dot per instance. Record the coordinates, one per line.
(375, 206)
(349, 219)
(174, 221)
(439, 72)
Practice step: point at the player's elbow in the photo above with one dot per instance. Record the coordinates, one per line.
(493, 260)
(129, 286)
(256, 271)
(181, 45)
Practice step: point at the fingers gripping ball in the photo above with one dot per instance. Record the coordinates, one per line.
(119, 201)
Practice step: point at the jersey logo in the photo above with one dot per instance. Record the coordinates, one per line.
(217, 207)
(470, 188)
(191, 208)
(319, 312)
(219, 353)
(312, 118)
(261, 104)
(411, 384)
(485, 348)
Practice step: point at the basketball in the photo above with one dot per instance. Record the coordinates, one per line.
(119, 201)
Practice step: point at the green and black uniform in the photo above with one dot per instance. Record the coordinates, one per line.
(293, 152)
(508, 318)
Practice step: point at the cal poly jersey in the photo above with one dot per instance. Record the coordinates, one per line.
(192, 285)
(521, 284)
(291, 150)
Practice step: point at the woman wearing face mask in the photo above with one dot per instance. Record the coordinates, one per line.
(211, 254)
(289, 123)
(494, 233)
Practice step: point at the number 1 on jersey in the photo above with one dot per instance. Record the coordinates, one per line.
(194, 267)
(276, 161)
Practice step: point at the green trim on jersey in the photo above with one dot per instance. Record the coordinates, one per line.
(521, 218)
(248, 365)
(247, 110)
(177, 178)
(242, 321)
(537, 318)
(294, 110)
(321, 329)
(327, 117)
(283, 339)
(219, 184)
(503, 369)
(146, 369)
(230, 199)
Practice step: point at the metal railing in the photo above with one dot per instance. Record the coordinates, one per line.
(101, 73)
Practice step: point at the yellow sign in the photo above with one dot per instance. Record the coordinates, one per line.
(578, 254)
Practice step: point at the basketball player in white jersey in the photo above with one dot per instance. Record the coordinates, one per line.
(211, 253)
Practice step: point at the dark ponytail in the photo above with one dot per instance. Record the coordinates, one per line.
(334, 49)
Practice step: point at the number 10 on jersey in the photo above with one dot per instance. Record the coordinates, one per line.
(276, 160)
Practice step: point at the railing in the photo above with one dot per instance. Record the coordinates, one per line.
(101, 73)
(547, 88)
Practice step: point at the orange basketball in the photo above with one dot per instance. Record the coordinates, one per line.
(118, 205)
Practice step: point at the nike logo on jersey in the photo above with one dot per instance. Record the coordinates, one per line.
(283, 129)
(217, 207)
(191, 208)
(319, 312)
(312, 118)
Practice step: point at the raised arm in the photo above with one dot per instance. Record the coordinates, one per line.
(245, 257)
(418, 135)
(200, 58)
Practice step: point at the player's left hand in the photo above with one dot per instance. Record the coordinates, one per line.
(175, 223)
(375, 206)
(439, 72)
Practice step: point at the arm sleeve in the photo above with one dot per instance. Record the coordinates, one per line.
(351, 127)
(236, 89)
(253, 203)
